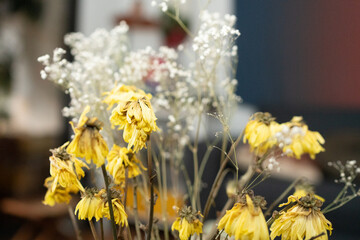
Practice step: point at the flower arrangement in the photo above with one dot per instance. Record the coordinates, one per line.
(115, 121)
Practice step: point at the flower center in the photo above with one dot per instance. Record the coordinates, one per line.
(60, 153)
(310, 201)
(264, 117)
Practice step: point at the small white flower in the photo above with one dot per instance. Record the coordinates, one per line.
(45, 59)
(43, 74)
(172, 118)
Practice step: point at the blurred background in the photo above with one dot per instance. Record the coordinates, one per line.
(295, 58)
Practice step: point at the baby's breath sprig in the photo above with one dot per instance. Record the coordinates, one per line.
(348, 173)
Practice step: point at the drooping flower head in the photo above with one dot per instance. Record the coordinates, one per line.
(123, 93)
(120, 159)
(296, 139)
(66, 169)
(88, 205)
(59, 195)
(88, 142)
(136, 117)
(120, 215)
(259, 132)
(246, 220)
(303, 189)
(303, 220)
(187, 223)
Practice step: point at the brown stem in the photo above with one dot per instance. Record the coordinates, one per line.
(74, 223)
(121, 229)
(164, 197)
(317, 236)
(109, 201)
(197, 181)
(275, 216)
(230, 202)
(151, 214)
(102, 229)
(93, 230)
(217, 181)
(223, 146)
(136, 215)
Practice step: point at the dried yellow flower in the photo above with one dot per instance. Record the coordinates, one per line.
(302, 140)
(59, 195)
(120, 159)
(187, 223)
(245, 221)
(88, 205)
(120, 215)
(304, 220)
(66, 169)
(88, 142)
(136, 117)
(123, 93)
(259, 132)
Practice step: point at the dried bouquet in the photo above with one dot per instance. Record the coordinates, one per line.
(135, 114)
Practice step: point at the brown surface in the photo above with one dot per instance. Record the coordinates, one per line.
(31, 209)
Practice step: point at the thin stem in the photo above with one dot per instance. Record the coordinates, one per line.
(151, 214)
(128, 233)
(177, 10)
(162, 190)
(102, 229)
(164, 197)
(195, 193)
(223, 146)
(196, 179)
(250, 185)
(274, 217)
(243, 180)
(246, 177)
(93, 230)
(213, 187)
(74, 223)
(109, 201)
(331, 205)
(187, 178)
(206, 158)
(283, 194)
(317, 236)
(156, 230)
(345, 200)
(261, 180)
(126, 186)
(181, 23)
(121, 229)
(212, 193)
(136, 215)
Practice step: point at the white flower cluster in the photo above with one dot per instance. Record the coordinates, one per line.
(286, 135)
(216, 56)
(164, 4)
(348, 171)
(94, 70)
(181, 106)
(216, 36)
(273, 164)
(150, 67)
